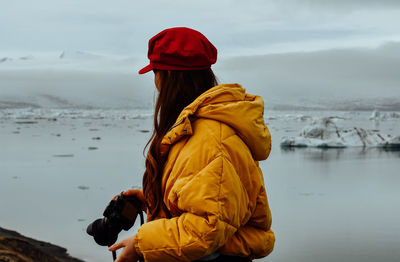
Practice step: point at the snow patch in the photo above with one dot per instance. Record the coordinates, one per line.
(78, 55)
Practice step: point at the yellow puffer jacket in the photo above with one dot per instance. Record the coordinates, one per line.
(212, 183)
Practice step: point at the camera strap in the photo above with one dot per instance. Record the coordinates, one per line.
(114, 253)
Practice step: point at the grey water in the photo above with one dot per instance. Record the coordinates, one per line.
(327, 205)
(336, 204)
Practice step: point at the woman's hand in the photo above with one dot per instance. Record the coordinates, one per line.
(129, 253)
(138, 194)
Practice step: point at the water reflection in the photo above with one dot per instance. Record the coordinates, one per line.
(330, 154)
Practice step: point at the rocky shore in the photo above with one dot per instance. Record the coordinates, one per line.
(15, 247)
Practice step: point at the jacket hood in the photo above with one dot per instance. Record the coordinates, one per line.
(229, 104)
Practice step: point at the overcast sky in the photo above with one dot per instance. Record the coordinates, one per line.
(236, 27)
(287, 51)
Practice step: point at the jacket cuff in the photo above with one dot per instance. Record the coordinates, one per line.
(136, 244)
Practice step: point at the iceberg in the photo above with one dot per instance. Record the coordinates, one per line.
(377, 115)
(324, 133)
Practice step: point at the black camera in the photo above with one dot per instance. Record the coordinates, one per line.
(120, 214)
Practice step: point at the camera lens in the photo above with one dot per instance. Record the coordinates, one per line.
(103, 233)
(89, 229)
(119, 214)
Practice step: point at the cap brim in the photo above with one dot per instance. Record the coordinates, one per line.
(146, 69)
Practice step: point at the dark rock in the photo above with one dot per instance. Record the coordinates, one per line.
(15, 247)
(19, 250)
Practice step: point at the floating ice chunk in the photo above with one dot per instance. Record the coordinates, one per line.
(377, 115)
(309, 142)
(54, 114)
(324, 133)
(394, 115)
(27, 57)
(394, 142)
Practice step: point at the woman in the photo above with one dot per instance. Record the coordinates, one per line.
(202, 189)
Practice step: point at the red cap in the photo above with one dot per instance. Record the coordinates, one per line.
(180, 48)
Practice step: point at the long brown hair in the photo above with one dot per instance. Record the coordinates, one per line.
(177, 89)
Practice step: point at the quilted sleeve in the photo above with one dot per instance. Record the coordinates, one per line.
(213, 202)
